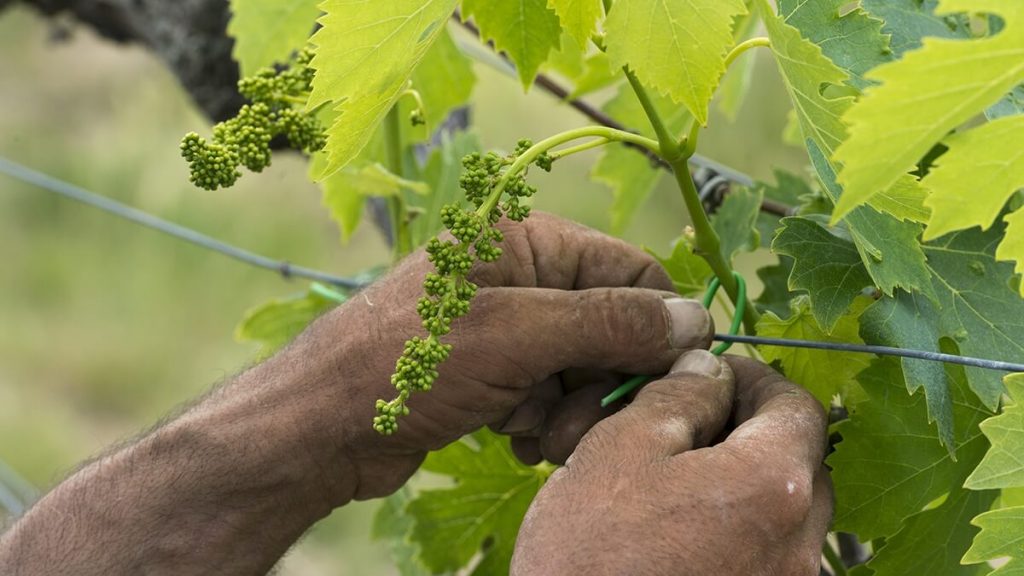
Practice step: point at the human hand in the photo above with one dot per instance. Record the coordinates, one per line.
(648, 491)
(564, 309)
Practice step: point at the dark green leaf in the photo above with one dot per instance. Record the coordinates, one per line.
(736, 221)
(689, 272)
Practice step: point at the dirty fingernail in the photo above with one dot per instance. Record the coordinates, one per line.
(691, 325)
(699, 362)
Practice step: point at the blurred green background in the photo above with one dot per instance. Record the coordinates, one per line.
(105, 326)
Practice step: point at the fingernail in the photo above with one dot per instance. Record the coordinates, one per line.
(690, 323)
(699, 362)
(525, 418)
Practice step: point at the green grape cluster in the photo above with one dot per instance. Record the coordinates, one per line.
(447, 291)
(277, 98)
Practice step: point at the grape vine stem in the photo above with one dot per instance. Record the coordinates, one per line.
(396, 204)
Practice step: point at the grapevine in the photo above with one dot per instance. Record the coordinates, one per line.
(276, 98)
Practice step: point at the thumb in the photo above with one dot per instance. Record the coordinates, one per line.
(630, 330)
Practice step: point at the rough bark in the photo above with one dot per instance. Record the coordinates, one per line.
(187, 34)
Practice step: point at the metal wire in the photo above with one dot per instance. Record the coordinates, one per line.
(285, 269)
(879, 350)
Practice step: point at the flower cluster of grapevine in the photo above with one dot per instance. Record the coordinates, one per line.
(277, 99)
(447, 290)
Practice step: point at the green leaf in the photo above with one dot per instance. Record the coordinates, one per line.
(972, 182)
(736, 83)
(850, 38)
(376, 180)
(366, 53)
(277, 322)
(587, 71)
(1012, 245)
(629, 173)
(579, 17)
(825, 373)
(776, 295)
(736, 221)
(907, 22)
(890, 463)
(789, 190)
(526, 30)
(904, 201)
(932, 542)
(827, 267)
(689, 272)
(675, 47)
(887, 247)
(976, 308)
(931, 91)
(1000, 537)
(1002, 466)
(1011, 105)
(392, 524)
(268, 31)
(445, 81)
(444, 166)
(486, 505)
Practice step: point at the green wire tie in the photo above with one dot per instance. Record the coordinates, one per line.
(709, 297)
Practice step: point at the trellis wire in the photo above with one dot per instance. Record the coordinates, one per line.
(145, 219)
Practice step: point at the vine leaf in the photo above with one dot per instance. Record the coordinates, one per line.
(789, 190)
(444, 166)
(851, 39)
(526, 30)
(890, 464)
(1002, 466)
(972, 182)
(676, 48)
(632, 176)
(1012, 246)
(579, 17)
(1000, 537)
(486, 506)
(688, 271)
(738, 78)
(932, 91)
(933, 541)
(888, 247)
(826, 266)
(1011, 105)
(277, 322)
(393, 525)
(907, 22)
(776, 295)
(445, 81)
(267, 31)
(976, 308)
(824, 373)
(736, 221)
(904, 201)
(365, 54)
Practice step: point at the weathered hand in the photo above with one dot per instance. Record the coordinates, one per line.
(648, 491)
(562, 310)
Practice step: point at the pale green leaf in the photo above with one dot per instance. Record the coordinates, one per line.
(932, 542)
(392, 524)
(487, 504)
(931, 91)
(1003, 466)
(826, 266)
(825, 373)
(277, 322)
(676, 47)
(579, 17)
(904, 201)
(971, 183)
(850, 38)
(587, 71)
(375, 180)
(890, 463)
(907, 22)
(268, 31)
(689, 272)
(1012, 245)
(444, 166)
(976, 308)
(445, 81)
(366, 53)
(735, 221)
(1001, 536)
(526, 30)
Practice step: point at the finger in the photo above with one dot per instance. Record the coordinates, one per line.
(546, 251)
(540, 332)
(776, 419)
(576, 378)
(527, 450)
(680, 412)
(572, 418)
(527, 418)
(811, 538)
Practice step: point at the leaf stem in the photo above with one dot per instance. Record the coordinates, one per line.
(707, 242)
(396, 203)
(579, 148)
(532, 153)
